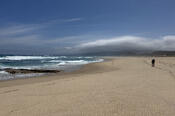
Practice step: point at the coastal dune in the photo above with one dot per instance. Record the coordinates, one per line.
(120, 86)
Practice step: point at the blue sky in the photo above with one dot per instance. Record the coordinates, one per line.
(64, 26)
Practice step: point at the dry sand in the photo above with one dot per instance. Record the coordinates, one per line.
(123, 86)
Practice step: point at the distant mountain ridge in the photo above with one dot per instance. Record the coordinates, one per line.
(132, 53)
(111, 53)
(164, 53)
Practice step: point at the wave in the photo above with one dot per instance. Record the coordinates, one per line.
(21, 67)
(40, 57)
(73, 61)
(28, 57)
(53, 61)
(52, 64)
(79, 62)
(6, 76)
(3, 72)
(44, 62)
(65, 63)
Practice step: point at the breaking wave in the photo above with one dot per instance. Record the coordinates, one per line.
(43, 62)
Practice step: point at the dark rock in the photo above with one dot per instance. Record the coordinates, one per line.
(26, 71)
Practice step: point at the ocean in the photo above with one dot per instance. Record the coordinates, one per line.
(64, 63)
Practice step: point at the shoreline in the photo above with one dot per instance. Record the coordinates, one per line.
(83, 69)
(52, 76)
(12, 67)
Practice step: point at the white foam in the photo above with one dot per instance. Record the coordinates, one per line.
(47, 63)
(26, 57)
(28, 75)
(78, 62)
(55, 61)
(99, 60)
(84, 57)
(64, 61)
(3, 72)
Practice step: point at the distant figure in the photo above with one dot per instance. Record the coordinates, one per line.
(153, 62)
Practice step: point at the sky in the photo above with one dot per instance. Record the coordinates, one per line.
(83, 26)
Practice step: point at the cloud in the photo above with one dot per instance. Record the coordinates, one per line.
(73, 19)
(33, 33)
(31, 37)
(62, 21)
(22, 40)
(128, 43)
(34, 39)
(18, 29)
(77, 44)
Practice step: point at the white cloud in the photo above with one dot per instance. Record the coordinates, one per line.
(24, 40)
(18, 29)
(62, 21)
(73, 19)
(129, 43)
(31, 35)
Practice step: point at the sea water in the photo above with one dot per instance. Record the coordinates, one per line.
(65, 63)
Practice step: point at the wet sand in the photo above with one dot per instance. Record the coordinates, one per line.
(122, 86)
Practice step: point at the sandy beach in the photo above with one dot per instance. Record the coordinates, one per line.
(121, 86)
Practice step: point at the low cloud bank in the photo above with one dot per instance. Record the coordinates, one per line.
(128, 43)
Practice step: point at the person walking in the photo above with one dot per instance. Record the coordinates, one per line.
(153, 62)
